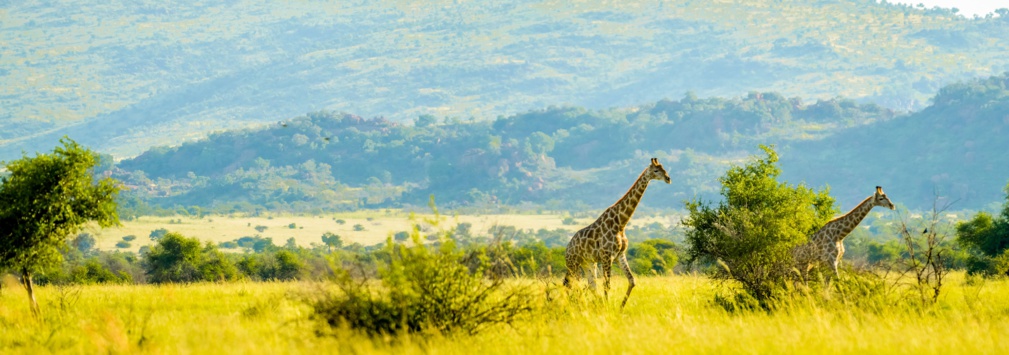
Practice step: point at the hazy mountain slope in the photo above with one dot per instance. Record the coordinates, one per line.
(577, 158)
(555, 157)
(958, 149)
(124, 76)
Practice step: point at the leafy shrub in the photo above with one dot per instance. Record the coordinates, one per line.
(229, 244)
(358, 227)
(653, 256)
(292, 226)
(332, 240)
(569, 221)
(340, 222)
(986, 238)
(122, 244)
(158, 233)
(84, 242)
(401, 236)
(129, 238)
(423, 289)
(260, 229)
(289, 266)
(751, 234)
(179, 259)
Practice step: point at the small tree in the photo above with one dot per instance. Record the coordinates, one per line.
(332, 240)
(751, 234)
(174, 259)
(158, 233)
(43, 201)
(84, 242)
(986, 237)
(177, 258)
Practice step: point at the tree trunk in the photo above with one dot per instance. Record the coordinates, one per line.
(26, 279)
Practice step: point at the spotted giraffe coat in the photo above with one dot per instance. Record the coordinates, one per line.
(826, 245)
(604, 241)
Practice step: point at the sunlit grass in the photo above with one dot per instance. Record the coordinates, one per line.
(664, 314)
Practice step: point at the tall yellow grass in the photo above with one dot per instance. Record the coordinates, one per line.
(665, 314)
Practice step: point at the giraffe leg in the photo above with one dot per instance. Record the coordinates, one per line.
(607, 269)
(630, 278)
(572, 274)
(591, 275)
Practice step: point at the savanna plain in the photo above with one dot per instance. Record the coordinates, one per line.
(664, 314)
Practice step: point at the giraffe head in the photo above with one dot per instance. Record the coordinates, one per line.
(657, 172)
(880, 199)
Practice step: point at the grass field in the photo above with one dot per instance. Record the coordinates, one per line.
(309, 229)
(665, 314)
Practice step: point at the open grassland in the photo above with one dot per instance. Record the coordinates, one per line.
(665, 314)
(375, 226)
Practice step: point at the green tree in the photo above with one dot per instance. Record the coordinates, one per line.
(158, 233)
(44, 200)
(331, 241)
(986, 238)
(751, 234)
(174, 259)
(289, 265)
(84, 243)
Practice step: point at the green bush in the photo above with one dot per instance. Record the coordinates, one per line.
(122, 244)
(158, 233)
(750, 235)
(129, 238)
(986, 239)
(179, 259)
(423, 289)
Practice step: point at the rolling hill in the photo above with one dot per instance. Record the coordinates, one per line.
(575, 158)
(123, 77)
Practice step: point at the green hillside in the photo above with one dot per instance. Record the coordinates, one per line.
(955, 149)
(575, 158)
(121, 77)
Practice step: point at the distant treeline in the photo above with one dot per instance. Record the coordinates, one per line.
(569, 158)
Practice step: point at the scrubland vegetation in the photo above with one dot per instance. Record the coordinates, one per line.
(448, 288)
(666, 312)
(320, 233)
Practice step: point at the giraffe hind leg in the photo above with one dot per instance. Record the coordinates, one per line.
(591, 275)
(630, 278)
(572, 273)
(607, 269)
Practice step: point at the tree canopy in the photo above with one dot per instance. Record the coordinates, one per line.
(752, 232)
(47, 198)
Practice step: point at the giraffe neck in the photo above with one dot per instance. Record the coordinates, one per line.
(847, 222)
(622, 210)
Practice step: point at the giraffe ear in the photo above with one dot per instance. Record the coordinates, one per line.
(879, 190)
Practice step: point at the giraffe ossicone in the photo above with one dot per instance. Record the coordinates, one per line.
(826, 245)
(604, 241)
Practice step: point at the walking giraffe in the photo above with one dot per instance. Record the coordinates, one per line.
(826, 244)
(604, 241)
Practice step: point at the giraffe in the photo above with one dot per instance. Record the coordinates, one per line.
(826, 245)
(604, 241)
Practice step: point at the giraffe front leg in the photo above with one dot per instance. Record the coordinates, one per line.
(630, 279)
(572, 273)
(591, 275)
